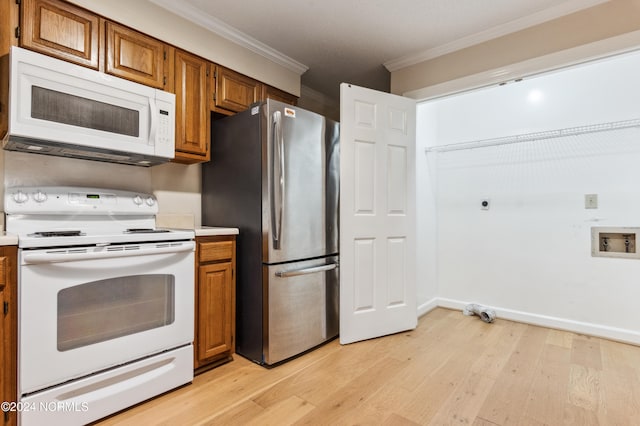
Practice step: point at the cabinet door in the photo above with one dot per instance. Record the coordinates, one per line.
(192, 112)
(134, 56)
(269, 92)
(215, 310)
(8, 329)
(234, 91)
(3, 353)
(61, 30)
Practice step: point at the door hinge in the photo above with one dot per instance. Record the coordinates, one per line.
(207, 73)
(164, 80)
(17, 32)
(164, 54)
(18, 1)
(214, 96)
(215, 74)
(6, 308)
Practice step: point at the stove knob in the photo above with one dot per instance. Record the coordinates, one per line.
(20, 197)
(137, 200)
(40, 197)
(150, 201)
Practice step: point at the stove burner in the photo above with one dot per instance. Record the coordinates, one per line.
(145, 231)
(56, 234)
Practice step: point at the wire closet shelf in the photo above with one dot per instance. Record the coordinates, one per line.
(528, 137)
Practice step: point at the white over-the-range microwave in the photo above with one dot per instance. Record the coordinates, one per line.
(63, 109)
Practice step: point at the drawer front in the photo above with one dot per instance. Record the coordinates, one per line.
(219, 250)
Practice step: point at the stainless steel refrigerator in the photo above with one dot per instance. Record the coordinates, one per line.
(274, 174)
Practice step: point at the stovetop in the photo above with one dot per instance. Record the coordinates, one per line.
(62, 240)
(71, 216)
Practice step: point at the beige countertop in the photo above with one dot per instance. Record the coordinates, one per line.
(208, 231)
(186, 221)
(8, 239)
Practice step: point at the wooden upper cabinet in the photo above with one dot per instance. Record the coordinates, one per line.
(134, 56)
(234, 91)
(269, 92)
(192, 108)
(61, 30)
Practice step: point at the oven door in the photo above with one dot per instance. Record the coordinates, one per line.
(83, 310)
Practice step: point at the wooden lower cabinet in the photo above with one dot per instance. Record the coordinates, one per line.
(8, 331)
(215, 310)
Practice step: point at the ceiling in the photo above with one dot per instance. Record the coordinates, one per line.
(359, 41)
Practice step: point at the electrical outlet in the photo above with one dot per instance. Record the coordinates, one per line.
(484, 204)
(590, 201)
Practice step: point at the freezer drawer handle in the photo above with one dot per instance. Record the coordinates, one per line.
(305, 271)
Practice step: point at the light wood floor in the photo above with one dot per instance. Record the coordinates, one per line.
(451, 370)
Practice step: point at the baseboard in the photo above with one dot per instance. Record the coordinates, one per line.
(591, 329)
(427, 307)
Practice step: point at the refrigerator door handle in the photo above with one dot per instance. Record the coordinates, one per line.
(305, 271)
(278, 198)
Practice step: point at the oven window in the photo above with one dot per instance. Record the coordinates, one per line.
(107, 309)
(63, 108)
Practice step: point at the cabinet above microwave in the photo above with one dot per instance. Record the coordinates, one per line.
(59, 108)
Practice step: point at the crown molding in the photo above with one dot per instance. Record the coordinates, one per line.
(213, 24)
(566, 8)
(628, 42)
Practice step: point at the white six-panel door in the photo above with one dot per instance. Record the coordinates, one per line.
(377, 214)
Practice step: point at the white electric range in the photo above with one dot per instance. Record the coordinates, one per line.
(105, 302)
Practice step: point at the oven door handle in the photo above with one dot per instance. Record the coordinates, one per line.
(57, 256)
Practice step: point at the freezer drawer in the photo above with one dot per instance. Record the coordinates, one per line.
(303, 306)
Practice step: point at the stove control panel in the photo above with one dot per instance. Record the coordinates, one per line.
(77, 200)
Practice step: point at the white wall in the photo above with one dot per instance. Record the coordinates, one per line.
(529, 254)
(21, 169)
(426, 229)
(176, 186)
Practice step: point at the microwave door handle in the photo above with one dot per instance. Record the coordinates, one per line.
(153, 118)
